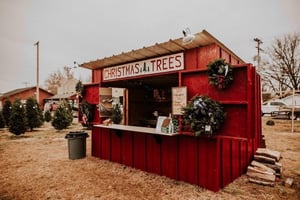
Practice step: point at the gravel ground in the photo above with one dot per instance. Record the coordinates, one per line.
(36, 166)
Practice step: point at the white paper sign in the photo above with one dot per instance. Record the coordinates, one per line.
(159, 123)
(179, 99)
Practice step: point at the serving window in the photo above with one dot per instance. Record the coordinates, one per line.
(145, 98)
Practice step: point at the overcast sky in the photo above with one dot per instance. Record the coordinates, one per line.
(84, 30)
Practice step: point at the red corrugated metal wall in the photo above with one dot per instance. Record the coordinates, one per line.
(210, 162)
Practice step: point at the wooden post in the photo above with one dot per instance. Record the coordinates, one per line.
(37, 72)
(293, 110)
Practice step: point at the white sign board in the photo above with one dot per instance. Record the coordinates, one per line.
(162, 64)
(159, 123)
(179, 99)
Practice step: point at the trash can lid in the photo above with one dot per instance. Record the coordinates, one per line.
(76, 134)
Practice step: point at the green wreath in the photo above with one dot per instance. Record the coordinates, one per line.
(204, 115)
(220, 73)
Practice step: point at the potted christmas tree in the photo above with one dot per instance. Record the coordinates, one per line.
(116, 115)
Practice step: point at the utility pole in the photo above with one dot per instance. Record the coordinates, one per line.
(37, 72)
(259, 42)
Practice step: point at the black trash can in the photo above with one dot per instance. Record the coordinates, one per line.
(77, 144)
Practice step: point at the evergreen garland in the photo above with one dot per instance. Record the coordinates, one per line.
(204, 115)
(220, 73)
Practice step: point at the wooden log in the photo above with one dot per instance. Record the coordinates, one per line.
(258, 170)
(268, 153)
(259, 174)
(277, 167)
(267, 183)
(288, 182)
(262, 166)
(264, 159)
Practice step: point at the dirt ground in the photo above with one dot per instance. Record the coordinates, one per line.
(36, 166)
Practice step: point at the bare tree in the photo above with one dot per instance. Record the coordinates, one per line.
(68, 72)
(282, 71)
(55, 78)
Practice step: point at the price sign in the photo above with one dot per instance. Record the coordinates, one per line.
(179, 99)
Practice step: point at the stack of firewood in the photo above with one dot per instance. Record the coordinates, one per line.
(265, 167)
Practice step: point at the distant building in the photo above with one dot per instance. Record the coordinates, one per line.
(23, 94)
(65, 91)
(67, 86)
(290, 99)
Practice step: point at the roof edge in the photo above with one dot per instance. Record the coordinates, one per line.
(202, 38)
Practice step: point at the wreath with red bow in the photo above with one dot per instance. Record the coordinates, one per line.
(220, 73)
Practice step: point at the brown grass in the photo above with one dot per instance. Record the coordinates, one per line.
(36, 166)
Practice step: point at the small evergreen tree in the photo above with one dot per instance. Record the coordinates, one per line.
(86, 110)
(17, 120)
(69, 112)
(79, 88)
(7, 111)
(116, 116)
(2, 120)
(40, 113)
(47, 116)
(61, 118)
(33, 114)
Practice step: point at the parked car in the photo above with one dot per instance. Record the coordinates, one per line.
(272, 106)
(277, 108)
(292, 112)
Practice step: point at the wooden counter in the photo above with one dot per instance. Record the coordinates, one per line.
(138, 129)
(177, 156)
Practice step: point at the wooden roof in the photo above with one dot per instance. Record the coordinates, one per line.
(159, 49)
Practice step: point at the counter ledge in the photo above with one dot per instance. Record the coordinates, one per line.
(139, 129)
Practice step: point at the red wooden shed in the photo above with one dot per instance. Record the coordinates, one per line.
(24, 93)
(211, 162)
